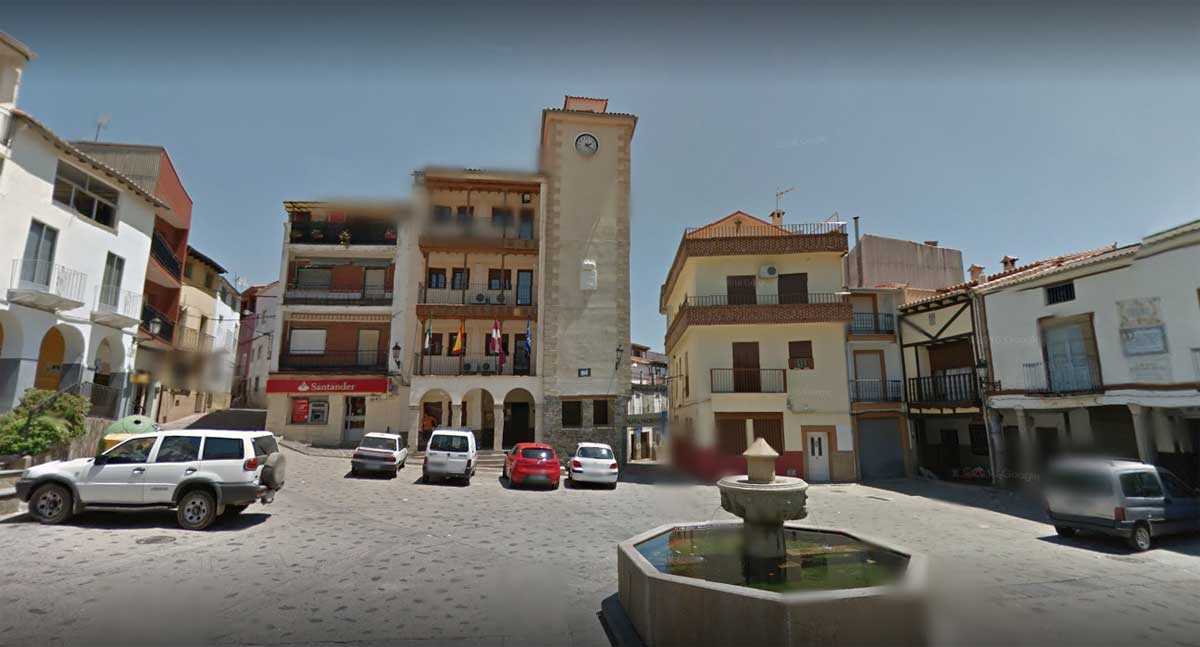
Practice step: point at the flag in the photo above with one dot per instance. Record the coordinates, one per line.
(528, 339)
(428, 333)
(497, 345)
(458, 341)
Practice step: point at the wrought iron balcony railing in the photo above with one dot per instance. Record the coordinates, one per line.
(161, 250)
(363, 361)
(875, 391)
(748, 380)
(1064, 377)
(961, 388)
(872, 323)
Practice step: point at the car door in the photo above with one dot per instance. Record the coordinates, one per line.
(1181, 505)
(119, 479)
(177, 457)
(1144, 500)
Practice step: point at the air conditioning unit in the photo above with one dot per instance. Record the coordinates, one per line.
(768, 272)
(479, 297)
(486, 367)
(469, 367)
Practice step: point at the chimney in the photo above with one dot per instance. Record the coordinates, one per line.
(1009, 262)
(931, 243)
(777, 218)
(976, 271)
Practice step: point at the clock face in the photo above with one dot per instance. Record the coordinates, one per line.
(586, 144)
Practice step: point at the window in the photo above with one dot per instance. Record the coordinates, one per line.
(314, 411)
(223, 449)
(537, 454)
(178, 449)
(572, 413)
(1140, 484)
(599, 413)
(487, 349)
(448, 443)
(264, 445)
(435, 344)
(38, 263)
(524, 287)
(687, 383)
(499, 279)
(460, 278)
(88, 196)
(314, 278)
(525, 229)
(131, 451)
(1174, 486)
(502, 217)
(979, 442)
(307, 341)
(257, 386)
(110, 288)
(800, 355)
(602, 453)
(451, 338)
(1060, 293)
(208, 279)
(435, 278)
(466, 216)
(441, 214)
(187, 270)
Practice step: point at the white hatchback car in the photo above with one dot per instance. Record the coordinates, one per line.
(202, 474)
(593, 463)
(379, 453)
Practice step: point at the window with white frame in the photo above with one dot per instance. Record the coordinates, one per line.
(309, 341)
(88, 196)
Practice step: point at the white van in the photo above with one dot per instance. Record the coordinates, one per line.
(451, 453)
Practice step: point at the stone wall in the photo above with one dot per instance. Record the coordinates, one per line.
(565, 440)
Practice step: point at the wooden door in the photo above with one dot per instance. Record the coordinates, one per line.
(793, 288)
(739, 290)
(949, 451)
(731, 435)
(745, 367)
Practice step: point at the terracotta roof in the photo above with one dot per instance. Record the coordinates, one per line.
(1014, 275)
(90, 161)
(737, 218)
(192, 251)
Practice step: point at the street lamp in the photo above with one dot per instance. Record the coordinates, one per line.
(396, 355)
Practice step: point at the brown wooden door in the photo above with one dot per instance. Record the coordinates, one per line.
(739, 290)
(745, 367)
(793, 288)
(771, 430)
(731, 435)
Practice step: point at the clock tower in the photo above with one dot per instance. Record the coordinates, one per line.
(583, 314)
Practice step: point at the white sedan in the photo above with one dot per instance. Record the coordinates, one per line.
(379, 453)
(593, 463)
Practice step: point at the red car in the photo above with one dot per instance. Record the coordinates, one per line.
(529, 463)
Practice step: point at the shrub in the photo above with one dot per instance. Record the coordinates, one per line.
(58, 418)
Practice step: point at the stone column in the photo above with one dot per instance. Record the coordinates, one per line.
(498, 425)
(414, 427)
(1182, 435)
(1143, 432)
(1162, 432)
(1028, 446)
(540, 411)
(995, 431)
(1081, 429)
(456, 409)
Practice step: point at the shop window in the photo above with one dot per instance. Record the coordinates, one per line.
(572, 413)
(600, 413)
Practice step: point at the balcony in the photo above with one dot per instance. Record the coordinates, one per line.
(46, 286)
(719, 309)
(480, 235)
(362, 361)
(875, 390)
(151, 318)
(117, 308)
(472, 365)
(160, 250)
(309, 296)
(476, 294)
(950, 390)
(873, 323)
(748, 380)
(344, 234)
(193, 340)
(1064, 378)
(105, 400)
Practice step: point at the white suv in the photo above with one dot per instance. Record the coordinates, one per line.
(202, 474)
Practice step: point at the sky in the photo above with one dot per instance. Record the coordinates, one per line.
(1028, 129)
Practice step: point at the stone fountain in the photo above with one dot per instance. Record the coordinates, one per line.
(766, 581)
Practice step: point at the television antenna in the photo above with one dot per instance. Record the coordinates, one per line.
(102, 122)
(779, 195)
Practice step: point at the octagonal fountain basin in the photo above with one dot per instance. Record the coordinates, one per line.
(697, 584)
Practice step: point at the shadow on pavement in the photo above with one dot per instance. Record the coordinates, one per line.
(617, 627)
(1184, 544)
(143, 519)
(984, 497)
(232, 420)
(434, 482)
(371, 476)
(651, 474)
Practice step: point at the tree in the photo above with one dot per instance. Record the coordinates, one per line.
(43, 420)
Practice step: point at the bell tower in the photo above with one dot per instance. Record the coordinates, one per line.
(583, 312)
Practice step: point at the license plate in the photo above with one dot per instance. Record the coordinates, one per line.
(538, 477)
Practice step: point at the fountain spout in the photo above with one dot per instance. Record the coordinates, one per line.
(760, 462)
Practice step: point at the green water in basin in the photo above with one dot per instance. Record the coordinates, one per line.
(815, 560)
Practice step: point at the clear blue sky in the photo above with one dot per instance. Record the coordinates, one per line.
(1023, 129)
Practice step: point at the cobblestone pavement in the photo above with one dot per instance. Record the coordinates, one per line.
(343, 560)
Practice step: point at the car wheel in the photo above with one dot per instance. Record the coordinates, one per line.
(467, 480)
(1064, 531)
(554, 486)
(1140, 539)
(425, 478)
(196, 510)
(51, 503)
(612, 486)
(235, 510)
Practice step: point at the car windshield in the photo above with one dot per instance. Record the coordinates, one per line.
(374, 442)
(538, 454)
(448, 443)
(595, 452)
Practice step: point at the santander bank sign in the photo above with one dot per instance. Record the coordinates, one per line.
(348, 385)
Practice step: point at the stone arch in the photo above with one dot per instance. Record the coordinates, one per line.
(60, 358)
(520, 415)
(108, 360)
(478, 414)
(434, 409)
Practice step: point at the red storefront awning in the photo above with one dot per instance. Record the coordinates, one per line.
(317, 387)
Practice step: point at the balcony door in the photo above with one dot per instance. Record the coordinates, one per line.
(38, 262)
(745, 367)
(524, 287)
(110, 288)
(368, 347)
(1070, 362)
(375, 281)
(869, 373)
(793, 288)
(739, 290)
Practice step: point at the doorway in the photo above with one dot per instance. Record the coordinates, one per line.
(50, 361)
(374, 282)
(949, 452)
(816, 456)
(355, 420)
(516, 424)
(745, 367)
(739, 290)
